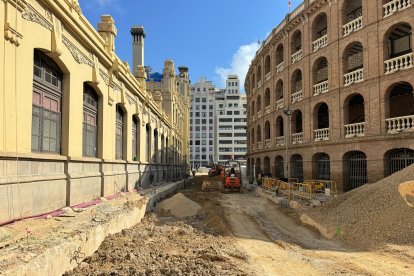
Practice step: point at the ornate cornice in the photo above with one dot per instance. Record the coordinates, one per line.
(30, 14)
(77, 54)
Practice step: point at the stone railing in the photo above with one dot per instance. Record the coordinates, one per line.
(253, 147)
(321, 134)
(267, 109)
(280, 67)
(259, 84)
(254, 117)
(280, 141)
(320, 88)
(267, 77)
(395, 5)
(355, 130)
(400, 124)
(352, 26)
(399, 63)
(259, 114)
(279, 104)
(354, 77)
(297, 56)
(268, 144)
(298, 96)
(259, 145)
(297, 138)
(320, 43)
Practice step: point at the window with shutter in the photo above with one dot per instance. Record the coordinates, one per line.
(90, 119)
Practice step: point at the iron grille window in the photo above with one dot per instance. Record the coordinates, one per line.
(90, 114)
(119, 132)
(46, 109)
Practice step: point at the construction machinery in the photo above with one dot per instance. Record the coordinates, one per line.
(232, 176)
(215, 170)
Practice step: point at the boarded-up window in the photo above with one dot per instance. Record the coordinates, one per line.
(46, 109)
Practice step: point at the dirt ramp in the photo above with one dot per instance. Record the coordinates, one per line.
(372, 215)
(179, 206)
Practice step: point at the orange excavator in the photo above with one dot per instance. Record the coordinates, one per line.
(231, 175)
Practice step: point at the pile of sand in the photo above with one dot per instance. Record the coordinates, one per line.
(372, 215)
(179, 206)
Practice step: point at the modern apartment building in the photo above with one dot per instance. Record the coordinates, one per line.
(202, 113)
(334, 83)
(230, 122)
(217, 122)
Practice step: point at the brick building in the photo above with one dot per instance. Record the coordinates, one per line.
(334, 81)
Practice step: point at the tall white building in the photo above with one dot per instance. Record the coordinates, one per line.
(230, 122)
(202, 128)
(217, 123)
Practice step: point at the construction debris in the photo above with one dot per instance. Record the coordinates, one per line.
(179, 206)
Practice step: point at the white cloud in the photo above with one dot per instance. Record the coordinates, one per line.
(239, 64)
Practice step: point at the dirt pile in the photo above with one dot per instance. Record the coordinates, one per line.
(372, 215)
(163, 246)
(179, 206)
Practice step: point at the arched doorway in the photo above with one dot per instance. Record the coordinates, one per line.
(357, 174)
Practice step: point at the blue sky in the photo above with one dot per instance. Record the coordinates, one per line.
(212, 37)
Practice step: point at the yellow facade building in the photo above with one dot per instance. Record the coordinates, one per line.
(76, 122)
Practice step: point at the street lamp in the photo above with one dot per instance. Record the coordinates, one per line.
(288, 113)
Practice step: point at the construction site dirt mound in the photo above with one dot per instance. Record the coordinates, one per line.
(371, 216)
(163, 246)
(179, 206)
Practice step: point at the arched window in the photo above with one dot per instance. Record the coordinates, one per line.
(90, 119)
(267, 65)
(267, 98)
(162, 149)
(320, 32)
(47, 105)
(352, 16)
(267, 130)
(155, 156)
(148, 143)
(119, 132)
(135, 140)
(398, 48)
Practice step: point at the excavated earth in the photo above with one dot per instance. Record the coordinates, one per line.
(237, 234)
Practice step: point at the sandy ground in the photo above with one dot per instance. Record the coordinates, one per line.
(236, 234)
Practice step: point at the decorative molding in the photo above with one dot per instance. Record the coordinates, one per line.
(30, 14)
(12, 35)
(77, 54)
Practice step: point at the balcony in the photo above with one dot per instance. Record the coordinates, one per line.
(355, 130)
(259, 145)
(268, 144)
(253, 147)
(297, 138)
(321, 134)
(259, 84)
(279, 104)
(280, 67)
(352, 26)
(280, 141)
(400, 124)
(267, 109)
(259, 114)
(320, 88)
(354, 77)
(320, 43)
(395, 5)
(297, 97)
(297, 56)
(399, 63)
(267, 77)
